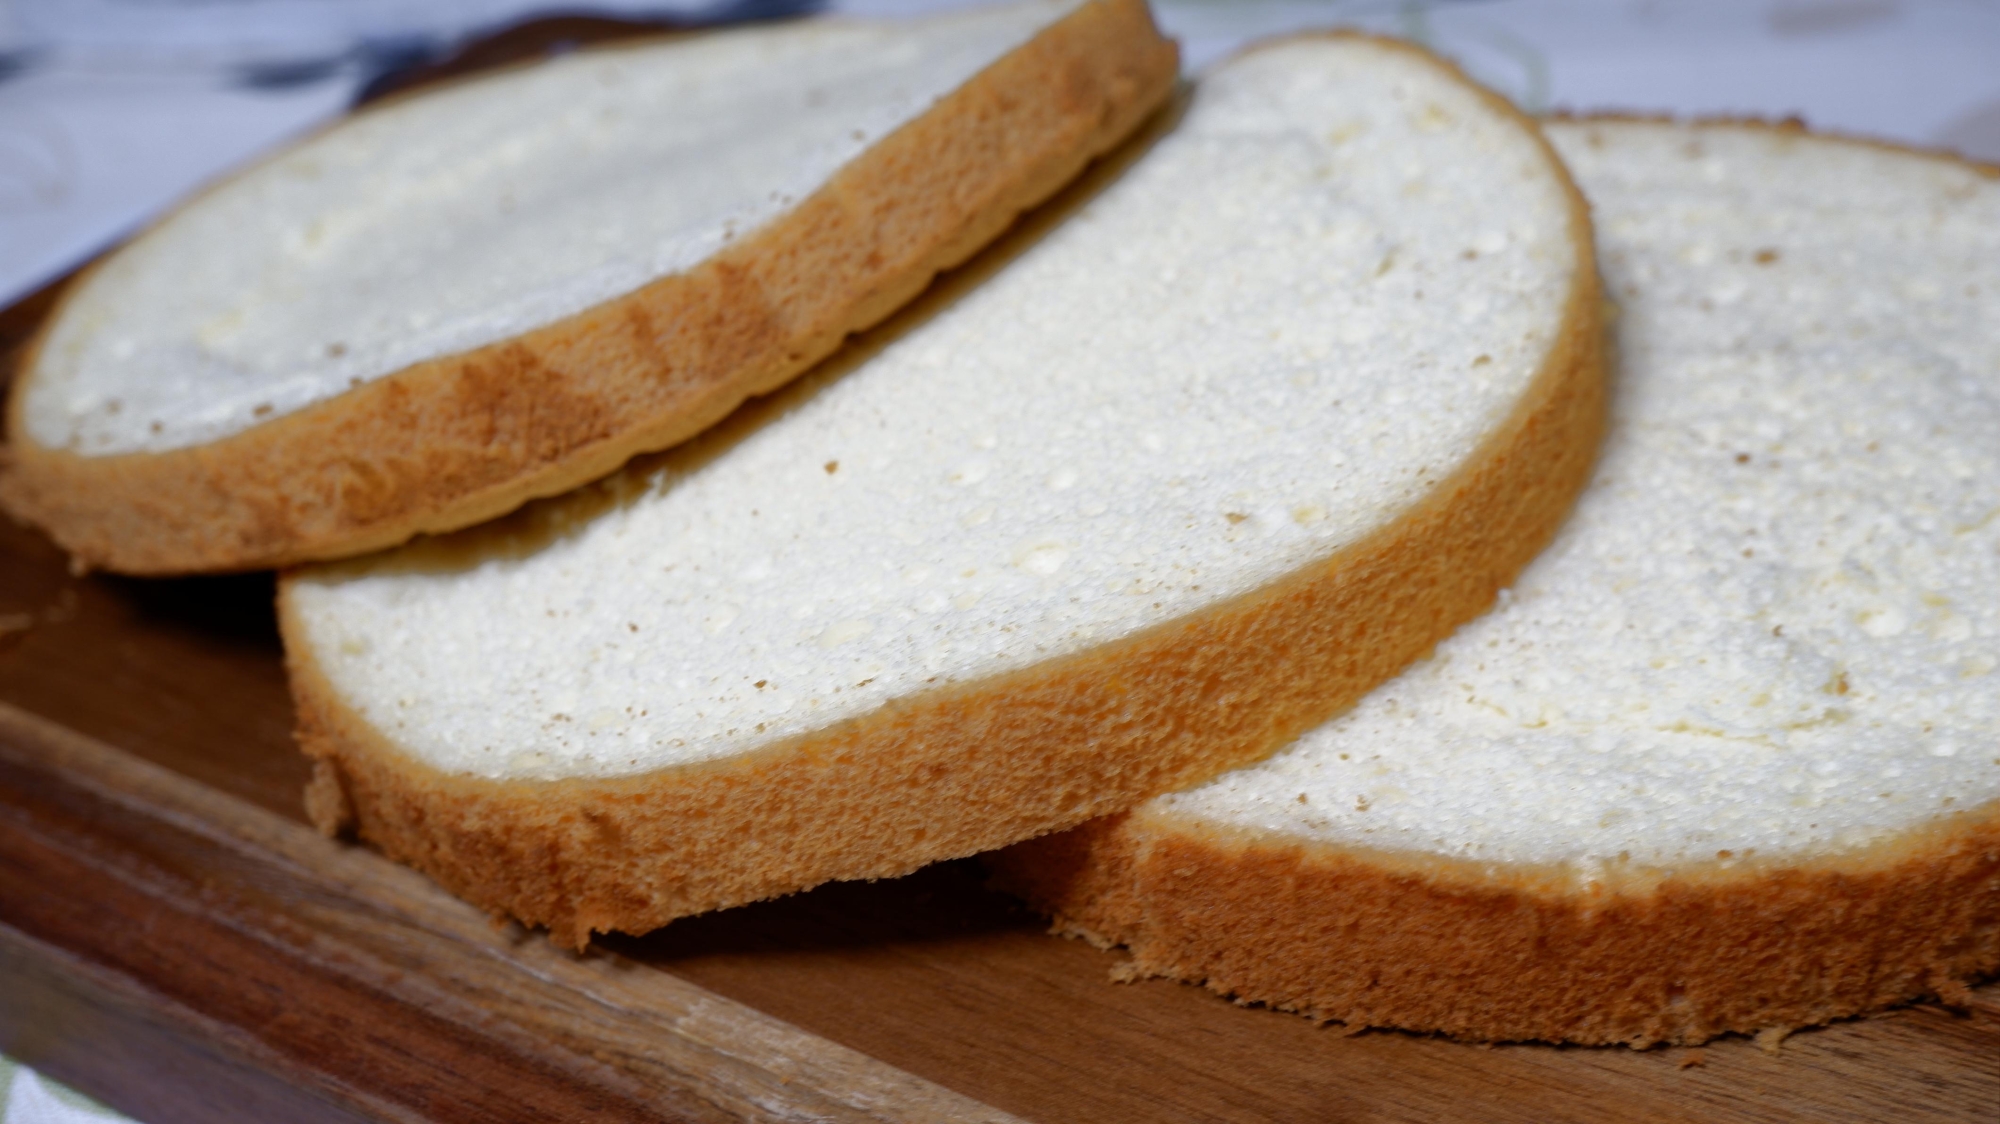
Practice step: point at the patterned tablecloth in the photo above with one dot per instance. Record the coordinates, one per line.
(104, 121)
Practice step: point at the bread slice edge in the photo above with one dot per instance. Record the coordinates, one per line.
(956, 771)
(458, 440)
(1519, 952)
(1428, 943)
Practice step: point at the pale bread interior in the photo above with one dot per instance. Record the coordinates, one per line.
(474, 213)
(1769, 633)
(1302, 308)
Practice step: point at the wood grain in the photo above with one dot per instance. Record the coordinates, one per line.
(176, 942)
(204, 852)
(356, 982)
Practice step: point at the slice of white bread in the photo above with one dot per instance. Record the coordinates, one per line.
(499, 289)
(1270, 412)
(1727, 757)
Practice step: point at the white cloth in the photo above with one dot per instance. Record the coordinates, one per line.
(107, 129)
(29, 1098)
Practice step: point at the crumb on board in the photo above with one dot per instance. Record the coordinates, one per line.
(1693, 1059)
(1771, 1038)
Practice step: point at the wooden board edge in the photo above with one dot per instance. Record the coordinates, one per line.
(159, 1062)
(168, 882)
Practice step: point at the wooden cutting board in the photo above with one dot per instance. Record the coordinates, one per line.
(176, 941)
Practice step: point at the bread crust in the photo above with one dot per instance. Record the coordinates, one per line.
(956, 771)
(1513, 952)
(1423, 942)
(461, 439)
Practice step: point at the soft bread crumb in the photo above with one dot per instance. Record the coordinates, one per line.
(1745, 698)
(468, 436)
(1771, 1038)
(1746, 642)
(938, 692)
(624, 164)
(999, 500)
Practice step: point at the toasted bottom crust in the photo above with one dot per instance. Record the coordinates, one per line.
(1512, 954)
(957, 771)
(456, 441)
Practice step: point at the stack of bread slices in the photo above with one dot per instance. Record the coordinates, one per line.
(1153, 540)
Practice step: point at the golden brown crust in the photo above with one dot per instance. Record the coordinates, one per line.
(458, 440)
(1432, 944)
(1505, 953)
(956, 771)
